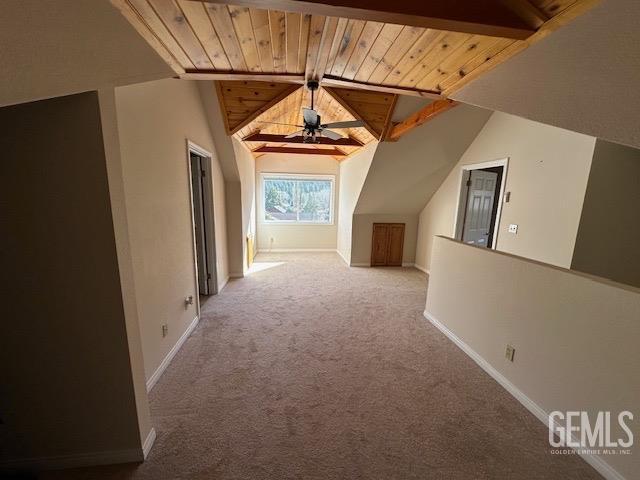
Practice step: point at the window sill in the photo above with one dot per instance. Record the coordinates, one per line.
(299, 224)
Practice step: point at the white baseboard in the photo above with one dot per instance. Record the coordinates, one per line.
(421, 268)
(602, 467)
(223, 284)
(343, 257)
(167, 360)
(404, 264)
(59, 462)
(148, 443)
(296, 250)
(83, 459)
(236, 275)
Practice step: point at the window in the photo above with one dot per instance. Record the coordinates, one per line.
(298, 198)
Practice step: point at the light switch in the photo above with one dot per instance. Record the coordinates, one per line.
(509, 353)
(513, 228)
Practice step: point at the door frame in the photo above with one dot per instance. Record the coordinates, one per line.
(461, 204)
(209, 215)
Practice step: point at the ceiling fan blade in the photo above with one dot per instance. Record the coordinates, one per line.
(295, 134)
(348, 124)
(331, 135)
(310, 116)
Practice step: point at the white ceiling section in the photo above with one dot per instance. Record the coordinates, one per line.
(60, 47)
(585, 77)
(406, 106)
(405, 174)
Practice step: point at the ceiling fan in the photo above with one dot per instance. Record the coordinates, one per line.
(313, 127)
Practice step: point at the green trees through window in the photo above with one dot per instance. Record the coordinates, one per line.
(304, 200)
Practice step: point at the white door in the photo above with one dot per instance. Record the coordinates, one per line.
(479, 213)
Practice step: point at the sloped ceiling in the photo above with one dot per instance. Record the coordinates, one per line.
(58, 48)
(288, 113)
(553, 83)
(407, 105)
(223, 142)
(405, 174)
(306, 40)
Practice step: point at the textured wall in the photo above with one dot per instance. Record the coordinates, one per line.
(583, 77)
(155, 120)
(247, 173)
(353, 172)
(57, 48)
(547, 177)
(576, 338)
(609, 235)
(404, 174)
(67, 387)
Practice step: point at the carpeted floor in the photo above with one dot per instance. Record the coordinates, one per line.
(308, 369)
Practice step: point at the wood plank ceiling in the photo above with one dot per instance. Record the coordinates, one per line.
(212, 40)
(241, 100)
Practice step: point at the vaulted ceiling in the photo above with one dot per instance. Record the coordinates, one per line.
(381, 48)
(275, 109)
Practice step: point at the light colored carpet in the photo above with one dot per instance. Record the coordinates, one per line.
(312, 370)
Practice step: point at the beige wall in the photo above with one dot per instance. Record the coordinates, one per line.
(405, 174)
(155, 120)
(363, 232)
(247, 172)
(609, 234)
(550, 83)
(547, 177)
(296, 236)
(78, 47)
(575, 336)
(353, 171)
(109, 122)
(226, 154)
(64, 363)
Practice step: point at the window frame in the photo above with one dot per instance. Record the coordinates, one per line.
(295, 176)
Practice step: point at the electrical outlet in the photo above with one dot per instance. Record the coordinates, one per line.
(165, 330)
(513, 228)
(188, 301)
(510, 353)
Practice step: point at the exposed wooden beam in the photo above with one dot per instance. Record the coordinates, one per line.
(327, 80)
(352, 111)
(486, 17)
(336, 152)
(256, 113)
(337, 157)
(387, 123)
(529, 13)
(240, 76)
(427, 113)
(331, 81)
(273, 138)
(558, 21)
